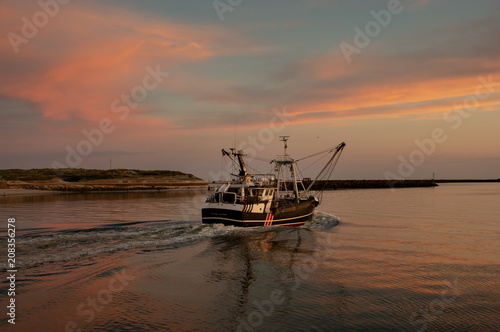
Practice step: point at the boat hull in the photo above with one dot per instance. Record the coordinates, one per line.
(295, 215)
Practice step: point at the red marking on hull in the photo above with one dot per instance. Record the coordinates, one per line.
(269, 219)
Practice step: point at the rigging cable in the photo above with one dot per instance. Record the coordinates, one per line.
(317, 153)
(329, 171)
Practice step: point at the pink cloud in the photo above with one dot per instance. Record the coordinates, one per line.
(388, 85)
(85, 57)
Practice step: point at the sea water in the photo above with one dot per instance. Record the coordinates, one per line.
(412, 259)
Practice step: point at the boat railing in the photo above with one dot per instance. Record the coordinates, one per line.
(290, 194)
(280, 159)
(232, 198)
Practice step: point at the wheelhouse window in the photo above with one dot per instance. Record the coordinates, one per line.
(228, 198)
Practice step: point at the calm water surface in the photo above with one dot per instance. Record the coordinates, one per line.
(416, 259)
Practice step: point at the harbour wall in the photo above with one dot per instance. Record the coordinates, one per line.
(369, 184)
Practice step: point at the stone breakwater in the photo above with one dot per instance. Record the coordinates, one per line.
(367, 184)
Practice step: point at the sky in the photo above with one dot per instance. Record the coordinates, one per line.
(411, 87)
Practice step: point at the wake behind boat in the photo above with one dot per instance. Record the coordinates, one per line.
(252, 199)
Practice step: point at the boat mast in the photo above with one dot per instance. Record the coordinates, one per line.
(287, 160)
(243, 167)
(284, 139)
(279, 164)
(243, 173)
(295, 187)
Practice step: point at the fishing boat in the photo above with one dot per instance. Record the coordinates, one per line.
(280, 198)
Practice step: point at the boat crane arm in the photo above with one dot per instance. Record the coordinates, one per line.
(225, 153)
(321, 152)
(243, 168)
(337, 152)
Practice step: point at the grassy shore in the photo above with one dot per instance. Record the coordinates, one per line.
(71, 179)
(82, 174)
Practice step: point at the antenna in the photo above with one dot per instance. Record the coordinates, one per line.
(284, 139)
(235, 137)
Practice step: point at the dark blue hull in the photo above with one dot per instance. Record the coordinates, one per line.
(293, 215)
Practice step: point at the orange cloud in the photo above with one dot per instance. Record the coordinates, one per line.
(85, 58)
(390, 86)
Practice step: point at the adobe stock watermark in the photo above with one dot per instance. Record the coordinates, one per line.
(30, 27)
(267, 307)
(221, 7)
(428, 146)
(372, 29)
(436, 307)
(253, 144)
(121, 106)
(89, 308)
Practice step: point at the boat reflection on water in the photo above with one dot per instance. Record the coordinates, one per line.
(265, 277)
